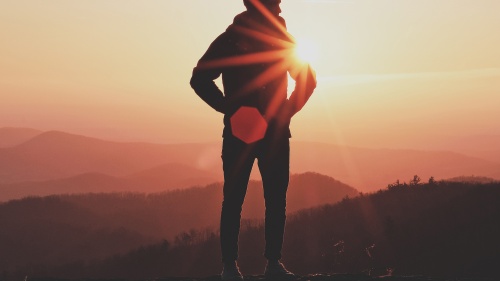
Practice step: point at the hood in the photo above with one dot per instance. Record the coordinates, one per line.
(243, 19)
(253, 20)
(259, 23)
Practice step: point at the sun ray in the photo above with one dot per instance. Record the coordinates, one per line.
(266, 13)
(303, 74)
(275, 103)
(268, 75)
(264, 37)
(248, 59)
(298, 97)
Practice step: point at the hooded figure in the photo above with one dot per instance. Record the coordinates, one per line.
(254, 56)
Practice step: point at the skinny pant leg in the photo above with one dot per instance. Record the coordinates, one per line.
(274, 166)
(237, 159)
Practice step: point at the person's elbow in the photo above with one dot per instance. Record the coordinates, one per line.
(311, 80)
(311, 85)
(202, 78)
(196, 81)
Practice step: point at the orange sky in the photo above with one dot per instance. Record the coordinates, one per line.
(391, 73)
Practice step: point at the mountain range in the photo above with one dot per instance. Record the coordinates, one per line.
(59, 160)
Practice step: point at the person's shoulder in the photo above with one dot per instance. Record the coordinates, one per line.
(223, 38)
(282, 21)
(223, 45)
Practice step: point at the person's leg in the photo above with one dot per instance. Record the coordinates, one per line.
(237, 159)
(274, 166)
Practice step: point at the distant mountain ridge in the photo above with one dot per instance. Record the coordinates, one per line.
(162, 178)
(55, 155)
(373, 169)
(472, 179)
(483, 146)
(10, 136)
(171, 175)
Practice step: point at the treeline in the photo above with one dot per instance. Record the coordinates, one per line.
(436, 229)
(41, 232)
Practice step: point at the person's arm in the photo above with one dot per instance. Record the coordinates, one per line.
(305, 83)
(202, 80)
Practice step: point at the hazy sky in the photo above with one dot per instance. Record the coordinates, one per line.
(392, 73)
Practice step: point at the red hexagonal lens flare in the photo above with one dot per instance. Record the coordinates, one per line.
(248, 124)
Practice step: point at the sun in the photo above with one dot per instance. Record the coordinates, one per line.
(306, 50)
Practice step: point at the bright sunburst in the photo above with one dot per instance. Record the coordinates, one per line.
(306, 50)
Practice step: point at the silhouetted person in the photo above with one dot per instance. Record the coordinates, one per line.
(254, 56)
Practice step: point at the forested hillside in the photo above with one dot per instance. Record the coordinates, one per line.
(50, 231)
(435, 229)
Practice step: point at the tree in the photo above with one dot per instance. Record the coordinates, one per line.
(415, 181)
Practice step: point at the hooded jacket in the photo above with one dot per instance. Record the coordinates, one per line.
(254, 56)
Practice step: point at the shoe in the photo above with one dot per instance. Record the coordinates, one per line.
(275, 270)
(231, 272)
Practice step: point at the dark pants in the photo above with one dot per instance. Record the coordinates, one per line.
(274, 165)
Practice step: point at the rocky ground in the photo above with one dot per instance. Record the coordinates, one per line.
(315, 277)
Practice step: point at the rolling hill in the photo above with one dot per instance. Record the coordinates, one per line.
(64, 228)
(173, 175)
(10, 136)
(439, 229)
(482, 146)
(55, 155)
(373, 169)
(162, 178)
